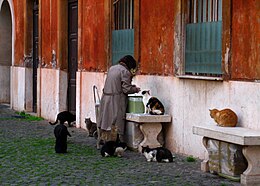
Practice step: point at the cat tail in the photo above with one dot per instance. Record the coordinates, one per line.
(54, 122)
(68, 133)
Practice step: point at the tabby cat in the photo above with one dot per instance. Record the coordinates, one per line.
(159, 154)
(63, 117)
(92, 128)
(152, 105)
(224, 118)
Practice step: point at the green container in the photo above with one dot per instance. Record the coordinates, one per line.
(135, 104)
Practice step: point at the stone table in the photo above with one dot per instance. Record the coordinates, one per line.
(150, 127)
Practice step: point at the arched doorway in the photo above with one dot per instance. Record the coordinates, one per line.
(5, 51)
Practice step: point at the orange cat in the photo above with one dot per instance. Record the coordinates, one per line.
(224, 118)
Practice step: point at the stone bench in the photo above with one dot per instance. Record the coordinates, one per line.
(144, 129)
(247, 139)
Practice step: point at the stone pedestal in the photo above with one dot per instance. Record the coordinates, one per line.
(145, 129)
(251, 176)
(225, 159)
(133, 135)
(248, 139)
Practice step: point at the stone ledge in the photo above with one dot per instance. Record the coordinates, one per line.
(236, 135)
(147, 118)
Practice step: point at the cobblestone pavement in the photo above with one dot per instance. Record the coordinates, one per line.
(27, 157)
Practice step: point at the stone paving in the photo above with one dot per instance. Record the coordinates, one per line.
(28, 158)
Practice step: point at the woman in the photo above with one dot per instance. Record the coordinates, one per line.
(114, 99)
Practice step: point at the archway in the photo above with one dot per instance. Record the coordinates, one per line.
(6, 46)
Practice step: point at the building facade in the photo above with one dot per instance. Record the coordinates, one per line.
(194, 55)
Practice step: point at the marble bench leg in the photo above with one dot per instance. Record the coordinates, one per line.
(205, 162)
(251, 176)
(150, 132)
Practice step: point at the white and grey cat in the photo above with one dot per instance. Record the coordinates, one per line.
(159, 154)
(152, 105)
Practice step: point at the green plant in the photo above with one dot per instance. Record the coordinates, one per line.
(29, 117)
(190, 159)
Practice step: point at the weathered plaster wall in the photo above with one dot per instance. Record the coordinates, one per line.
(4, 84)
(85, 104)
(93, 53)
(52, 93)
(19, 32)
(62, 53)
(18, 88)
(188, 102)
(156, 36)
(28, 89)
(246, 40)
(21, 92)
(49, 31)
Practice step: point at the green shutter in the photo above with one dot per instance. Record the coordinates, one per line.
(122, 44)
(203, 48)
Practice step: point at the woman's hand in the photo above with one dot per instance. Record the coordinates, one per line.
(138, 89)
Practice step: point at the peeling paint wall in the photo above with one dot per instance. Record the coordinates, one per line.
(52, 92)
(5, 84)
(186, 100)
(93, 54)
(246, 40)
(85, 102)
(49, 31)
(19, 33)
(156, 36)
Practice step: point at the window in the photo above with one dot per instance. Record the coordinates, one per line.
(203, 39)
(122, 29)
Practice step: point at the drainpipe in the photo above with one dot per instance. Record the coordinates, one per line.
(39, 90)
(39, 69)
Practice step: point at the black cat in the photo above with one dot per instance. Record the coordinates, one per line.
(63, 117)
(61, 132)
(113, 148)
(159, 154)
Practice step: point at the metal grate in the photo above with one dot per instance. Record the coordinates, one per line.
(123, 14)
(204, 38)
(123, 32)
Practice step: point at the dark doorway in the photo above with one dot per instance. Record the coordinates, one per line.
(72, 53)
(35, 52)
(5, 51)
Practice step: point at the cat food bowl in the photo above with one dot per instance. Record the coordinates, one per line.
(135, 104)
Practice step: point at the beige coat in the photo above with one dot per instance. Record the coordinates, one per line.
(114, 99)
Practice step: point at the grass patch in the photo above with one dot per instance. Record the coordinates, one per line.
(29, 117)
(39, 154)
(190, 159)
